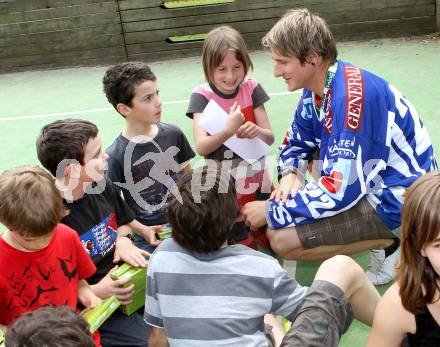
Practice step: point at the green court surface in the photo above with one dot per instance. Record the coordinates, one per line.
(32, 99)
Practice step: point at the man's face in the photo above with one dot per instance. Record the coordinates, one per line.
(295, 75)
(146, 105)
(95, 161)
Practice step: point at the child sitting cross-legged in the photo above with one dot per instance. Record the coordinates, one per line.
(195, 279)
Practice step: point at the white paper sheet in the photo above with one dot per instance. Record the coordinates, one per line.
(214, 119)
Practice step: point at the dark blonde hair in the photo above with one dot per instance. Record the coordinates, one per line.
(299, 33)
(420, 226)
(218, 42)
(30, 205)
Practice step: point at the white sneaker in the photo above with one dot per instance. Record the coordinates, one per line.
(382, 270)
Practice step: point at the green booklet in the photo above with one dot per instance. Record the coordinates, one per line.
(165, 233)
(97, 315)
(138, 277)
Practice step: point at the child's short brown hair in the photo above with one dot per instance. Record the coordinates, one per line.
(64, 139)
(202, 221)
(218, 42)
(121, 80)
(299, 33)
(50, 326)
(31, 204)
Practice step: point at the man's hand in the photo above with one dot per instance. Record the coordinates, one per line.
(107, 287)
(254, 214)
(289, 185)
(126, 251)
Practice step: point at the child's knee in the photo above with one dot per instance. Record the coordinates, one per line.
(340, 270)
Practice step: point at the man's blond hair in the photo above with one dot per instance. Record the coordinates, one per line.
(299, 33)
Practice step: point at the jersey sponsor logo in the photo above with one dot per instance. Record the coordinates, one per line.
(336, 182)
(328, 120)
(343, 148)
(355, 97)
(287, 137)
(307, 109)
(333, 182)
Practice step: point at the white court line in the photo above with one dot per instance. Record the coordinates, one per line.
(106, 109)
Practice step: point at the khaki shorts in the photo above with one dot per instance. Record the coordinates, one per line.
(324, 315)
(359, 223)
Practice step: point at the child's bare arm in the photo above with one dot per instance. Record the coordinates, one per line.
(158, 338)
(86, 296)
(391, 321)
(206, 144)
(147, 232)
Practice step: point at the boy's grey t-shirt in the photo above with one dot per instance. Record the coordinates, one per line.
(146, 172)
(217, 299)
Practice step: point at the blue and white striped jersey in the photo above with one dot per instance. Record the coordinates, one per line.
(371, 143)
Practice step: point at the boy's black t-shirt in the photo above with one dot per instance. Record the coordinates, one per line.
(96, 217)
(146, 172)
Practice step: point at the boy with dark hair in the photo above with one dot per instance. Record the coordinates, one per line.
(41, 261)
(49, 326)
(225, 291)
(71, 150)
(148, 156)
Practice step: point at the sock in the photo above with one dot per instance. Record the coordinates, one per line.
(391, 249)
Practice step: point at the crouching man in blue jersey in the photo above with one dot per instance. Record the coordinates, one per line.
(371, 145)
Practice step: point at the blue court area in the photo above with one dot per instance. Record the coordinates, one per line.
(32, 99)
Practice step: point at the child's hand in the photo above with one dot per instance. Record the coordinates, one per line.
(248, 130)
(253, 213)
(149, 234)
(86, 296)
(235, 119)
(107, 287)
(126, 251)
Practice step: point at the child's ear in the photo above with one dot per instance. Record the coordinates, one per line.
(123, 109)
(72, 170)
(423, 253)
